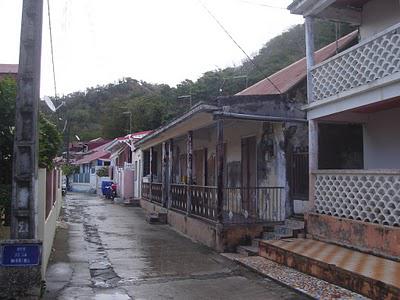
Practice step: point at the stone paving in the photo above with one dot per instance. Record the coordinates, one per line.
(309, 285)
(107, 251)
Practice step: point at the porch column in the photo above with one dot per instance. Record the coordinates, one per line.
(189, 161)
(312, 124)
(170, 163)
(309, 26)
(165, 173)
(220, 170)
(312, 159)
(151, 173)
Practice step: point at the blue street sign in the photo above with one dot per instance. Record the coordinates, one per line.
(20, 255)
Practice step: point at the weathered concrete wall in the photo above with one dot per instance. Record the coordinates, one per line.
(381, 140)
(372, 238)
(221, 238)
(47, 226)
(80, 187)
(377, 15)
(200, 231)
(127, 186)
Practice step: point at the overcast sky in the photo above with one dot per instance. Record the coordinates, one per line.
(159, 41)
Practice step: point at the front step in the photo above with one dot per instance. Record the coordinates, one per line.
(369, 275)
(247, 250)
(291, 228)
(156, 218)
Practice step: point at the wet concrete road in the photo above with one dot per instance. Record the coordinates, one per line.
(107, 251)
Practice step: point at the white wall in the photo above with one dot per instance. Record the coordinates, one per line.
(382, 140)
(378, 15)
(47, 226)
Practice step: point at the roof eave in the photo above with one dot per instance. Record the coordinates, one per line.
(182, 118)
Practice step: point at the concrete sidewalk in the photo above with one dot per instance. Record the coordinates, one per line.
(107, 251)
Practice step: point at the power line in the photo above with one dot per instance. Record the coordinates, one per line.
(237, 44)
(52, 49)
(263, 4)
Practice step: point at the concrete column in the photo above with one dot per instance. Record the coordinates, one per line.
(309, 26)
(151, 172)
(170, 164)
(313, 159)
(165, 173)
(189, 160)
(220, 170)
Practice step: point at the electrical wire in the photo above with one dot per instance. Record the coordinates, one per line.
(262, 4)
(52, 49)
(237, 44)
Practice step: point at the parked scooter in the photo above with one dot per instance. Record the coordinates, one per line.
(111, 191)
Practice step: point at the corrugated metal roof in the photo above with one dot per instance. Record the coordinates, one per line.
(290, 76)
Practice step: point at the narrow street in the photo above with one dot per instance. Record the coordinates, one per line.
(107, 251)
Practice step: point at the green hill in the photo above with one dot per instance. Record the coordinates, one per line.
(98, 111)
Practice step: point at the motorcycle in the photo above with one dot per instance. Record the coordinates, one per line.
(111, 191)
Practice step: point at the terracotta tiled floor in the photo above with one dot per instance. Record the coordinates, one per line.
(385, 270)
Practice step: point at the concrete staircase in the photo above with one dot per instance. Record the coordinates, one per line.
(156, 218)
(372, 276)
(292, 228)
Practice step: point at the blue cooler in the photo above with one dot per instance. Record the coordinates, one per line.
(106, 186)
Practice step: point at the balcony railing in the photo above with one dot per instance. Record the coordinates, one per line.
(364, 195)
(156, 191)
(146, 190)
(241, 205)
(254, 204)
(368, 61)
(204, 201)
(179, 197)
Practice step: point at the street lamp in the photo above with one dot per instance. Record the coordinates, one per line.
(130, 120)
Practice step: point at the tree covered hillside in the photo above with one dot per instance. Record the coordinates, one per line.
(99, 111)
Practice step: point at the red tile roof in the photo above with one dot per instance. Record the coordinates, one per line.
(290, 76)
(97, 153)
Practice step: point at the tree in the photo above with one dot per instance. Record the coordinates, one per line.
(8, 93)
(49, 142)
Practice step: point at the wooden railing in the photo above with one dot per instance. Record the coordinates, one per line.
(179, 197)
(254, 204)
(146, 190)
(204, 201)
(241, 205)
(156, 192)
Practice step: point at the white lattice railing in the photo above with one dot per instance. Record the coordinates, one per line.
(367, 61)
(364, 195)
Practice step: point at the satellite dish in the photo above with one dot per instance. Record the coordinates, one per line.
(77, 137)
(49, 103)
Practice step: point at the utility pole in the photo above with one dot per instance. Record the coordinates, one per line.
(130, 120)
(20, 265)
(26, 144)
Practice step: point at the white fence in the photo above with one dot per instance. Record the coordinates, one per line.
(364, 195)
(373, 59)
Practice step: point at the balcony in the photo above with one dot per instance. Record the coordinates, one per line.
(365, 195)
(373, 62)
